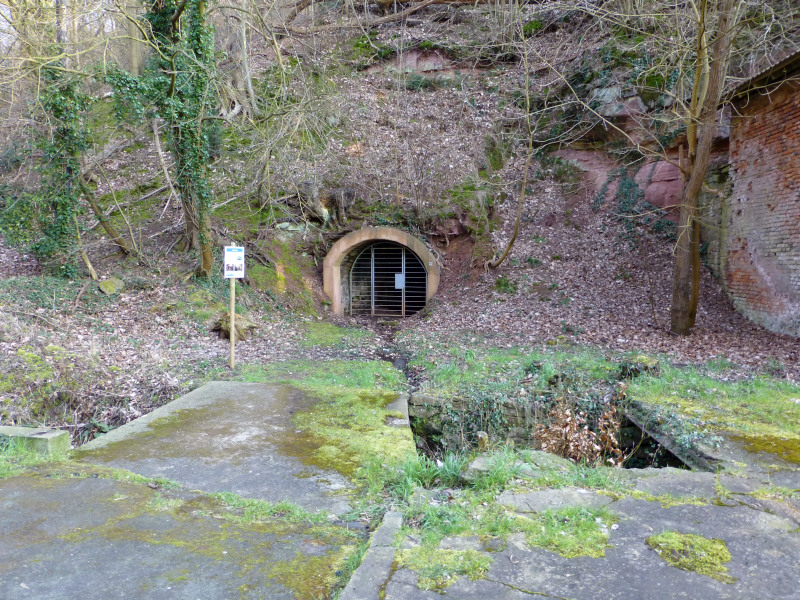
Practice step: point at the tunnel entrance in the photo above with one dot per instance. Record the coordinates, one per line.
(387, 280)
(380, 271)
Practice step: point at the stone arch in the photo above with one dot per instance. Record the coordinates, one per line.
(343, 252)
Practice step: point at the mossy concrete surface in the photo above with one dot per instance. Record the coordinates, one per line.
(761, 557)
(93, 537)
(231, 437)
(89, 527)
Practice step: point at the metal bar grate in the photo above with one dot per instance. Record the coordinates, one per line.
(387, 280)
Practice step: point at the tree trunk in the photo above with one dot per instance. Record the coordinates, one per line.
(135, 43)
(101, 217)
(708, 90)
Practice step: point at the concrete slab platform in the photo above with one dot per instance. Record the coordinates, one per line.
(231, 437)
(96, 538)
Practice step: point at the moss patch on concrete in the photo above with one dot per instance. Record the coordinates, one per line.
(692, 552)
(785, 448)
(347, 427)
(437, 569)
(242, 533)
(570, 532)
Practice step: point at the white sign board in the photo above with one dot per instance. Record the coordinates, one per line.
(233, 262)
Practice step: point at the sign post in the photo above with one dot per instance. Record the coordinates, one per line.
(233, 267)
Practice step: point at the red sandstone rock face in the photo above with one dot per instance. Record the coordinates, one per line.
(662, 184)
(597, 166)
(662, 188)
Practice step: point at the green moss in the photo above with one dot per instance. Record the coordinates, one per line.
(437, 569)
(668, 500)
(787, 449)
(329, 375)
(311, 576)
(234, 537)
(775, 493)
(251, 510)
(347, 427)
(289, 276)
(263, 278)
(366, 50)
(570, 532)
(693, 553)
(532, 27)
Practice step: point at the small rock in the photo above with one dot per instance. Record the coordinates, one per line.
(483, 441)
(241, 324)
(111, 286)
(421, 497)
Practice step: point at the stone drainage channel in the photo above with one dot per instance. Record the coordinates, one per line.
(644, 444)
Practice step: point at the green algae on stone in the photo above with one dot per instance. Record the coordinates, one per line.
(692, 552)
(346, 428)
(311, 576)
(112, 285)
(232, 537)
(786, 448)
(437, 568)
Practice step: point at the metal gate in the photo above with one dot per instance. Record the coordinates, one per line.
(387, 280)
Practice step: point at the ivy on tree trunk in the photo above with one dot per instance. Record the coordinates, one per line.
(63, 104)
(185, 96)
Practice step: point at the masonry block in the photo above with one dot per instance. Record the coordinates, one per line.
(41, 440)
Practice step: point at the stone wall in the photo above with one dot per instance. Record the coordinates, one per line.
(432, 417)
(759, 242)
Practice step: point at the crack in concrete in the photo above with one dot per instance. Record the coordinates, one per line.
(524, 591)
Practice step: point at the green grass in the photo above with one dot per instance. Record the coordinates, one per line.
(323, 375)
(419, 472)
(690, 404)
(250, 510)
(16, 457)
(473, 511)
(757, 406)
(327, 335)
(583, 476)
(457, 364)
(570, 532)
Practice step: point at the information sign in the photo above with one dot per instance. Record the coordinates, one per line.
(233, 262)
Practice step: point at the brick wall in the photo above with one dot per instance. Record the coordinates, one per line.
(759, 236)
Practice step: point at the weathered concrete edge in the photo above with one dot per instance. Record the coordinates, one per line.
(376, 566)
(195, 399)
(698, 458)
(42, 440)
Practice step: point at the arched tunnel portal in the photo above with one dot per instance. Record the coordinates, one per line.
(380, 271)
